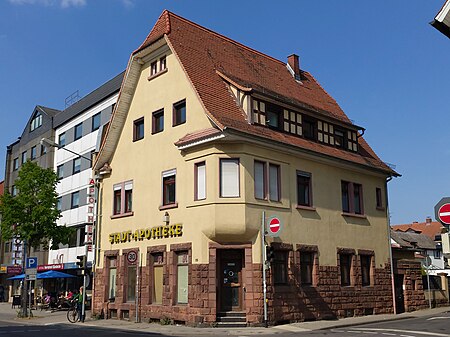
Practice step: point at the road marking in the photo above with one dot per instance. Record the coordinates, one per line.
(406, 336)
(439, 317)
(425, 333)
(388, 334)
(354, 331)
(370, 332)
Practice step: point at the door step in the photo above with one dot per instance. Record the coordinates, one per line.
(231, 319)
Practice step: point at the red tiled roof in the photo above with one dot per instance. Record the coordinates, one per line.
(204, 54)
(429, 229)
(198, 136)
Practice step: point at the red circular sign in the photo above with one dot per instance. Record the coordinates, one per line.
(131, 256)
(274, 225)
(444, 214)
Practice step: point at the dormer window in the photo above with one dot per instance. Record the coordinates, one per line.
(273, 113)
(36, 121)
(302, 125)
(309, 128)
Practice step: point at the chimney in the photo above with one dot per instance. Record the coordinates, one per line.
(295, 66)
(428, 220)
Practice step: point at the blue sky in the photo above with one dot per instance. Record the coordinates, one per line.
(381, 60)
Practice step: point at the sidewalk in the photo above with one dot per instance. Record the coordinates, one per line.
(59, 317)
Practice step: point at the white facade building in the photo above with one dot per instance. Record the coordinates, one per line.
(77, 132)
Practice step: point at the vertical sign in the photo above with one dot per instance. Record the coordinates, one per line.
(90, 215)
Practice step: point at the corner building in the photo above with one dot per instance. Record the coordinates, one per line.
(208, 134)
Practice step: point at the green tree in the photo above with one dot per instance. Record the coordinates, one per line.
(32, 213)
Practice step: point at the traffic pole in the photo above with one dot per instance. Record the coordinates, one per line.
(264, 258)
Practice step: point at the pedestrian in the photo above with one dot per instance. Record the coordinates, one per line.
(79, 301)
(2, 293)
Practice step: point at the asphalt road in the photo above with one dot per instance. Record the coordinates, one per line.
(429, 326)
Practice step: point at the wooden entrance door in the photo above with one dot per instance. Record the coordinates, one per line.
(230, 278)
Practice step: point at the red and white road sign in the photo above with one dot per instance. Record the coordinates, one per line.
(132, 256)
(444, 214)
(274, 225)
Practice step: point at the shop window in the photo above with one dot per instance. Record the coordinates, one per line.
(200, 181)
(229, 178)
(260, 180)
(182, 277)
(168, 187)
(158, 278)
(304, 197)
(96, 119)
(131, 283)
(24, 157)
(75, 200)
(306, 267)
(123, 198)
(78, 131)
(138, 129)
(158, 121)
(76, 165)
(33, 153)
(179, 113)
(366, 262)
(15, 164)
(62, 140)
(345, 263)
(274, 182)
(112, 276)
(352, 199)
(280, 267)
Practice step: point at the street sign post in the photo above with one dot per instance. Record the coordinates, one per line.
(442, 211)
(32, 262)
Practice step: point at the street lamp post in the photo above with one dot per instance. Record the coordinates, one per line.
(48, 142)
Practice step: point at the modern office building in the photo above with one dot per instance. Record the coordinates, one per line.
(209, 140)
(75, 130)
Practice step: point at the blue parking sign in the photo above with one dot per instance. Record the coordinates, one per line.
(32, 262)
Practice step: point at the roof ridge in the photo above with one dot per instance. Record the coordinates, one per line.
(223, 37)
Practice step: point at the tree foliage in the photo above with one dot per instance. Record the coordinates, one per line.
(32, 213)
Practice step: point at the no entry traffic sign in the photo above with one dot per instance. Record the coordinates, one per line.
(274, 226)
(444, 214)
(442, 211)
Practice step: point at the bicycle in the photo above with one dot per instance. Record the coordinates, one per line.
(73, 314)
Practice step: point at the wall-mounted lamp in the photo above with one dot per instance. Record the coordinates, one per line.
(166, 218)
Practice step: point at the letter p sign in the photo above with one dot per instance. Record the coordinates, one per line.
(32, 262)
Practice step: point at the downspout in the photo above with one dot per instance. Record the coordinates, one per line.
(391, 260)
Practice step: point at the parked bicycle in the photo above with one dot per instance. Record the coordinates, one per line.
(73, 314)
